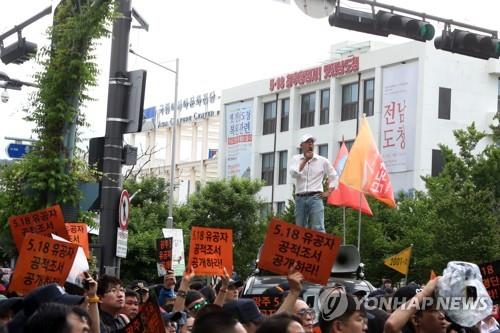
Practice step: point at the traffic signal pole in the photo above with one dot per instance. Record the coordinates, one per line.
(426, 16)
(116, 119)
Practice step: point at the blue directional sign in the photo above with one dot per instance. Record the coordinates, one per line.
(17, 150)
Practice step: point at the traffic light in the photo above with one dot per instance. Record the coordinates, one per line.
(382, 23)
(404, 26)
(18, 52)
(468, 43)
(356, 20)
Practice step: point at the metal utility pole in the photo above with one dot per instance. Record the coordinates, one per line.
(170, 219)
(116, 120)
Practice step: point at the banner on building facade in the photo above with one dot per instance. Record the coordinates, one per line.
(398, 121)
(192, 109)
(238, 139)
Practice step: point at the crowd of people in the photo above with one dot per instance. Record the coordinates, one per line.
(191, 305)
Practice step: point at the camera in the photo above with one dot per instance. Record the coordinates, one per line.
(5, 96)
(85, 284)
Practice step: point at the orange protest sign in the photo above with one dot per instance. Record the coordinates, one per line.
(78, 235)
(43, 222)
(285, 244)
(164, 252)
(42, 260)
(210, 250)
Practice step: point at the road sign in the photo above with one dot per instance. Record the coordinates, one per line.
(123, 210)
(17, 150)
(121, 243)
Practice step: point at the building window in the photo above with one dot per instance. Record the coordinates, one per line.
(280, 208)
(269, 124)
(349, 102)
(444, 103)
(283, 161)
(265, 210)
(368, 93)
(324, 113)
(285, 111)
(267, 168)
(437, 162)
(323, 150)
(348, 144)
(307, 110)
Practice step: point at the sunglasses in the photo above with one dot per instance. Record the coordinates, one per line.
(198, 306)
(307, 311)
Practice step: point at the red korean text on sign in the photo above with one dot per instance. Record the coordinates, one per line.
(42, 261)
(43, 222)
(491, 279)
(211, 250)
(311, 251)
(164, 252)
(77, 233)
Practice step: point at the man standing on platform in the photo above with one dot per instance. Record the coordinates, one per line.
(309, 170)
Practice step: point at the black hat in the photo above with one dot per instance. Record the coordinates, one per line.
(49, 293)
(232, 284)
(14, 303)
(245, 310)
(404, 294)
(38, 296)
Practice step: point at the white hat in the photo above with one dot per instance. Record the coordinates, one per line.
(306, 137)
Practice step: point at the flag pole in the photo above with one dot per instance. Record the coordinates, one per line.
(359, 223)
(343, 219)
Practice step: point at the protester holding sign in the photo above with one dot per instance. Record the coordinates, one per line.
(309, 170)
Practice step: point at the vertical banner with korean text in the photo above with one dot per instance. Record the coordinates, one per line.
(399, 114)
(211, 250)
(238, 139)
(43, 222)
(178, 262)
(313, 252)
(490, 272)
(42, 261)
(164, 252)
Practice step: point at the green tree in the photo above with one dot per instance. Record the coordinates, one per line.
(228, 204)
(465, 199)
(148, 215)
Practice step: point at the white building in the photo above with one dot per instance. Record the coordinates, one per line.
(413, 95)
(196, 142)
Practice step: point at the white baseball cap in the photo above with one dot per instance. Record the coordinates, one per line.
(306, 137)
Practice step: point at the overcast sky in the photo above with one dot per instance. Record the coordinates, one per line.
(220, 43)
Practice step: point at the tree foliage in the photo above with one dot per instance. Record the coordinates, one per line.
(229, 204)
(148, 215)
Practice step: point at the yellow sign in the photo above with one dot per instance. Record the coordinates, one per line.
(400, 262)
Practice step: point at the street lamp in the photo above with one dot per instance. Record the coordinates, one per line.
(170, 219)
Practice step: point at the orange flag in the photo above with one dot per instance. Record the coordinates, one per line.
(344, 195)
(365, 171)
